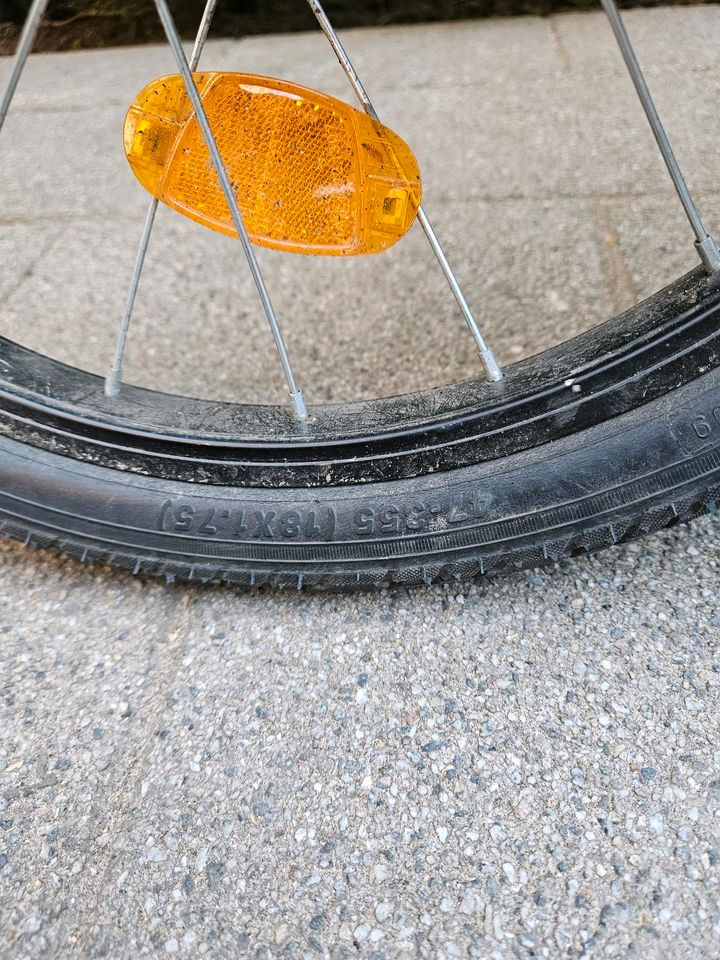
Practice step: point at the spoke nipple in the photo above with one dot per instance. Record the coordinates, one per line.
(493, 369)
(299, 403)
(709, 254)
(112, 384)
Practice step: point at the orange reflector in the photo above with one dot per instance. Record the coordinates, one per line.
(311, 174)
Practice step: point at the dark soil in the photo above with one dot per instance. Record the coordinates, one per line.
(74, 24)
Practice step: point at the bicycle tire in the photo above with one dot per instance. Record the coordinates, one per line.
(611, 435)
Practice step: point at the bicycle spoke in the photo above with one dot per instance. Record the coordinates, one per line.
(489, 361)
(113, 381)
(27, 38)
(706, 246)
(194, 95)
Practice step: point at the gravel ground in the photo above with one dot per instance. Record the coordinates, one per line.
(526, 767)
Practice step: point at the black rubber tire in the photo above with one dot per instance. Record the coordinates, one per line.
(611, 435)
(636, 473)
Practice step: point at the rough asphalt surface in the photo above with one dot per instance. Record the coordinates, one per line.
(526, 767)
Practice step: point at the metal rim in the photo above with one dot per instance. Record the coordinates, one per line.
(647, 351)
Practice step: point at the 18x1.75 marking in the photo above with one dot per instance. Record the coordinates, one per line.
(236, 524)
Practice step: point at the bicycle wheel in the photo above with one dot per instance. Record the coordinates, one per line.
(592, 442)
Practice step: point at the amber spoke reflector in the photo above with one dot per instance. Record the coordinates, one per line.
(311, 174)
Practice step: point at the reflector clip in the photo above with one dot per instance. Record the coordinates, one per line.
(311, 174)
